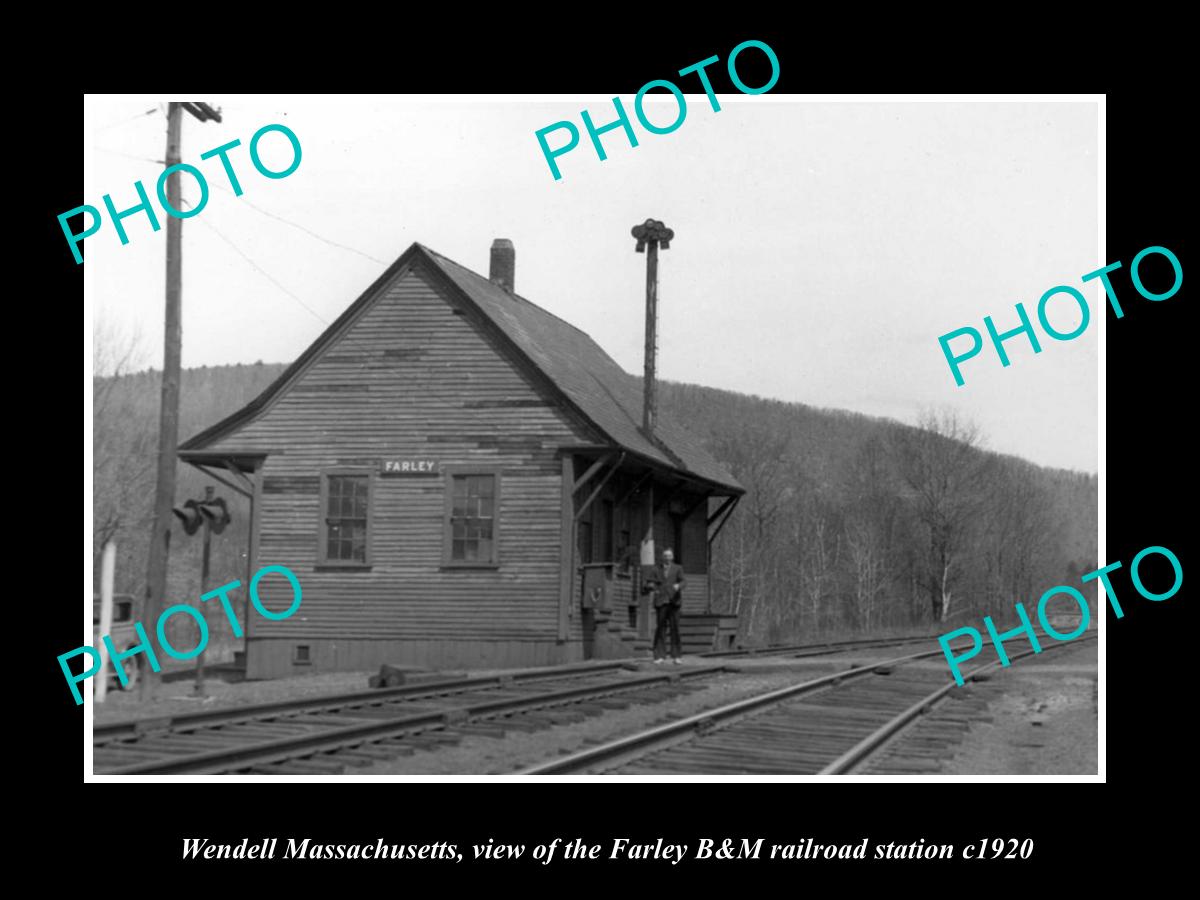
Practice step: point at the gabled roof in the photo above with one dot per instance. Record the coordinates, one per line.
(607, 396)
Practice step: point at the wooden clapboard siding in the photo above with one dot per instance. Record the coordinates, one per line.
(271, 658)
(434, 362)
(411, 378)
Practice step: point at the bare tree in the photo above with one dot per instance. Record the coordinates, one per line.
(867, 524)
(872, 526)
(1017, 532)
(757, 457)
(122, 459)
(818, 566)
(868, 574)
(941, 468)
(745, 559)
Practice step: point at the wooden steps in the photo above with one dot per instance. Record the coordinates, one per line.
(701, 632)
(613, 638)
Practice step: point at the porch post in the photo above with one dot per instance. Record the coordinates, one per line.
(566, 574)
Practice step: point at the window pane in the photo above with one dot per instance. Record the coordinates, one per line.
(471, 517)
(346, 509)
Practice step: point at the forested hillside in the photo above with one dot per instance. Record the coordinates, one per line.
(850, 523)
(124, 443)
(854, 523)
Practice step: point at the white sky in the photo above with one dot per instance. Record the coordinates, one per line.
(821, 248)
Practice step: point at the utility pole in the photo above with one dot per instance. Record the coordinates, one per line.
(168, 421)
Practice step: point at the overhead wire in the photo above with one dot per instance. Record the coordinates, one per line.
(157, 162)
(259, 268)
(254, 206)
(303, 228)
(140, 115)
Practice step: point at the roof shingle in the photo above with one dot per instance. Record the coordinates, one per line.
(594, 382)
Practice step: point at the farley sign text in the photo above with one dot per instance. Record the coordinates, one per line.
(409, 467)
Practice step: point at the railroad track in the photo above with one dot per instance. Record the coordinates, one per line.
(329, 734)
(325, 735)
(829, 725)
(819, 649)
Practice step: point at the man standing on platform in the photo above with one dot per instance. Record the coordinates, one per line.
(666, 582)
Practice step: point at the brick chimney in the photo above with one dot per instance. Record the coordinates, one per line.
(503, 270)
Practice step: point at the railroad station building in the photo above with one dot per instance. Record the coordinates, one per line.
(459, 478)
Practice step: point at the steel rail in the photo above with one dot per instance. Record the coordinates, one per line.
(183, 722)
(128, 728)
(330, 740)
(820, 649)
(637, 744)
(858, 754)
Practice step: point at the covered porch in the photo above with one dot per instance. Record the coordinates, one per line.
(620, 510)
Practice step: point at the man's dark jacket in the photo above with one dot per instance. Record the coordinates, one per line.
(663, 581)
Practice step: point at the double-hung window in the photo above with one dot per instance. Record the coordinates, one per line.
(472, 528)
(345, 527)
